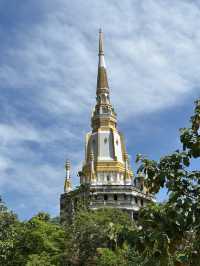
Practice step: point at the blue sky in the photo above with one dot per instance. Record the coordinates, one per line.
(48, 68)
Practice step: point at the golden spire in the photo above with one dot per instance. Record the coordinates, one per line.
(102, 81)
(103, 114)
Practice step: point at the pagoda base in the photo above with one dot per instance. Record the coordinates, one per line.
(126, 198)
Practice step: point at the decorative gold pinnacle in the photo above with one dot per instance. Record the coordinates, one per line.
(102, 81)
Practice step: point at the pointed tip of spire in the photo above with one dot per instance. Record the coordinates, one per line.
(101, 50)
(67, 164)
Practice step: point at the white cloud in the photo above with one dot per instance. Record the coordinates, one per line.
(151, 46)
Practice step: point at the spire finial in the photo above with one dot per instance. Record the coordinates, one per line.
(101, 50)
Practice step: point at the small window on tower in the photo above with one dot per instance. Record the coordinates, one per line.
(105, 140)
(104, 110)
(108, 178)
(105, 197)
(136, 200)
(142, 203)
(117, 142)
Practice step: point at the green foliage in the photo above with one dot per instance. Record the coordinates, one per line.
(121, 256)
(8, 233)
(35, 242)
(169, 232)
(190, 137)
(40, 235)
(108, 257)
(92, 230)
(38, 260)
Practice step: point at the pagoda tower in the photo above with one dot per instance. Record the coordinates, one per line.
(106, 178)
(106, 159)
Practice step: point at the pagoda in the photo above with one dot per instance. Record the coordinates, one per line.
(106, 178)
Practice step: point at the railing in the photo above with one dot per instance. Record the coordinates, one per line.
(128, 205)
(119, 189)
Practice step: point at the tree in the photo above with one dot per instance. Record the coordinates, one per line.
(8, 232)
(169, 232)
(35, 242)
(40, 239)
(93, 230)
(38, 260)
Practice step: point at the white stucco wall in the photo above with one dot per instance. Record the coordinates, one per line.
(105, 145)
(118, 146)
